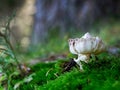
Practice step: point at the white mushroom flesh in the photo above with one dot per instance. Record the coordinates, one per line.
(85, 46)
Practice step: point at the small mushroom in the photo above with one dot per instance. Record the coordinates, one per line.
(85, 46)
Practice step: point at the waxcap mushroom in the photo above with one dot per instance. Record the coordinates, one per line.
(85, 46)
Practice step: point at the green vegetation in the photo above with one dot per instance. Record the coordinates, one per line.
(99, 74)
(102, 74)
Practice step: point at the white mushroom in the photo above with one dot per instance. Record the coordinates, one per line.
(85, 46)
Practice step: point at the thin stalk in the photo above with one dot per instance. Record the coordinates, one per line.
(15, 58)
(10, 46)
(6, 35)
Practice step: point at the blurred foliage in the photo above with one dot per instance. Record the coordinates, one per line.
(110, 34)
(10, 4)
(52, 46)
(8, 59)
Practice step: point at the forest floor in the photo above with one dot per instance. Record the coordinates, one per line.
(49, 67)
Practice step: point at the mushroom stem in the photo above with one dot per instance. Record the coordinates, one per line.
(80, 58)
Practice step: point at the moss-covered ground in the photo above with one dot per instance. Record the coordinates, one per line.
(47, 71)
(101, 74)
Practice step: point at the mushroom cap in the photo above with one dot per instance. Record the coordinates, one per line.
(89, 46)
(71, 46)
(87, 35)
(86, 45)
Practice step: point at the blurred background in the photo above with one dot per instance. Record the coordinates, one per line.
(35, 32)
(48, 24)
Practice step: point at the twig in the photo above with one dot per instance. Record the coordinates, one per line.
(5, 37)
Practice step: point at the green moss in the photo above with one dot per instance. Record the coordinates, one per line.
(101, 74)
(66, 81)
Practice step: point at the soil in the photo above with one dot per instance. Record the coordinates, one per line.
(67, 66)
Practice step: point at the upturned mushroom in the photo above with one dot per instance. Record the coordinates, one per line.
(85, 46)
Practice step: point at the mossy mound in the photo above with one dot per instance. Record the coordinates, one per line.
(101, 74)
